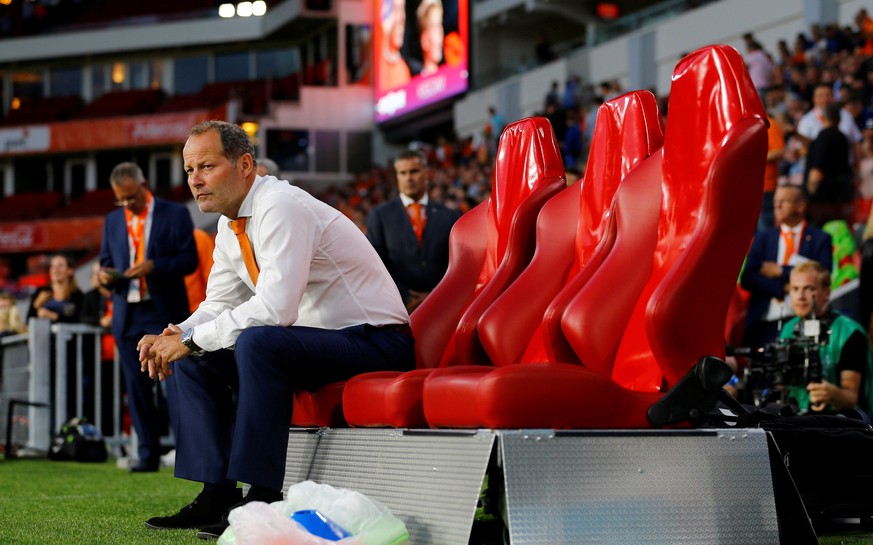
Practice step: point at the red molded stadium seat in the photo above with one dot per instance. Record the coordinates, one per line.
(528, 172)
(572, 232)
(432, 324)
(657, 303)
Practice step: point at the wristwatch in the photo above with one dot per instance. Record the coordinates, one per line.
(188, 340)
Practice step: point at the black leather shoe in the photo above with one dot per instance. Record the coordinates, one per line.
(214, 531)
(206, 509)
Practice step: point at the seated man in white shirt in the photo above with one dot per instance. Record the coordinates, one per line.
(812, 122)
(314, 304)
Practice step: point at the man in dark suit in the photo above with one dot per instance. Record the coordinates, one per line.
(147, 249)
(296, 298)
(773, 255)
(411, 232)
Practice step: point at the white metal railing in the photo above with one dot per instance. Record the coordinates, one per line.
(79, 334)
(54, 352)
(48, 367)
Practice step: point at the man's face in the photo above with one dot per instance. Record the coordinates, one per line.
(822, 96)
(411, 177)
(130, 194)
(788, 207)
(432, 36)
(399, 20)
(805, 288)
(218, 185)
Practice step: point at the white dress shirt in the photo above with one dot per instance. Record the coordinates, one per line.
(811, 124)
(780, 309)
(316, 269)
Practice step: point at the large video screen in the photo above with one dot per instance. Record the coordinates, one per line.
(420, 54)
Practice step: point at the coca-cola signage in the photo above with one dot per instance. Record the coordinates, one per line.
(25, 139)
(20, 237)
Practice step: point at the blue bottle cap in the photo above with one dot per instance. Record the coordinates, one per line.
(318, 525)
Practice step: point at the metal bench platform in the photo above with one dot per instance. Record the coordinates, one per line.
(592, 487)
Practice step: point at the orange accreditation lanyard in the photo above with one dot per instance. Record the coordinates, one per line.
(136, 233)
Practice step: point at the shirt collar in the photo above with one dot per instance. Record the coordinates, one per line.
(797, 229)
(245, 209)
(408, 200)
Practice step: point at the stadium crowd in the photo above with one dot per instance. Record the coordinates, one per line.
(461, 168)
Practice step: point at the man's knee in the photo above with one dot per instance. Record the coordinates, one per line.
(255, 339)
(265, 341)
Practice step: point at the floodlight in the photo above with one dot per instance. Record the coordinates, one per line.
(244, 9)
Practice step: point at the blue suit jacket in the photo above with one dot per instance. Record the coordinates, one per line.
(412, 266)
(171, 247)
(816, 245)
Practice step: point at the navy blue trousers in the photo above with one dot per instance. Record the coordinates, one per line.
(218, 443)
(147, 420)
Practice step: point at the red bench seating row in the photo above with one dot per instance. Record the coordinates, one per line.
(98, 202)
(123, 103)
(254, 96)
(635, 286)
(33, 110)
(29, 206)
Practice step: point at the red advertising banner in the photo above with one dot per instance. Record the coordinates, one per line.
(51, 235)
(94, 134)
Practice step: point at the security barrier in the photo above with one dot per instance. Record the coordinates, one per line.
(58, 366)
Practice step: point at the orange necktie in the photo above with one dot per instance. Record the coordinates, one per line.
(416, 219)
(245, 245)
(788, 236)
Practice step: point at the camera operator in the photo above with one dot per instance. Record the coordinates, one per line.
(844, 348)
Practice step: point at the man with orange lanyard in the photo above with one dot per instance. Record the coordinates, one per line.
(773, 255)
(147, 249)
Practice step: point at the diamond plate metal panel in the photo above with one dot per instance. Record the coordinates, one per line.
(636, 487)
(302, 445)
(429, 479)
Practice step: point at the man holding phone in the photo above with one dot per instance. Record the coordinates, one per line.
(147, 249)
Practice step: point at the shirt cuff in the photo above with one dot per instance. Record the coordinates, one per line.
(206, 336)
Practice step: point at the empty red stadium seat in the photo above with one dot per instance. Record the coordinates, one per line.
(657, 303)
(122, 103)
(495, 242)
(29, 206)
(98, 202)
(35, 110)
(572, 236)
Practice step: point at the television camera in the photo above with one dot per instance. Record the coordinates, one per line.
(793, 361)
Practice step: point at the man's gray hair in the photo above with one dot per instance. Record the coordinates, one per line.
(270, 165)
(234, 139)
(123, 171)
(411, 154)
